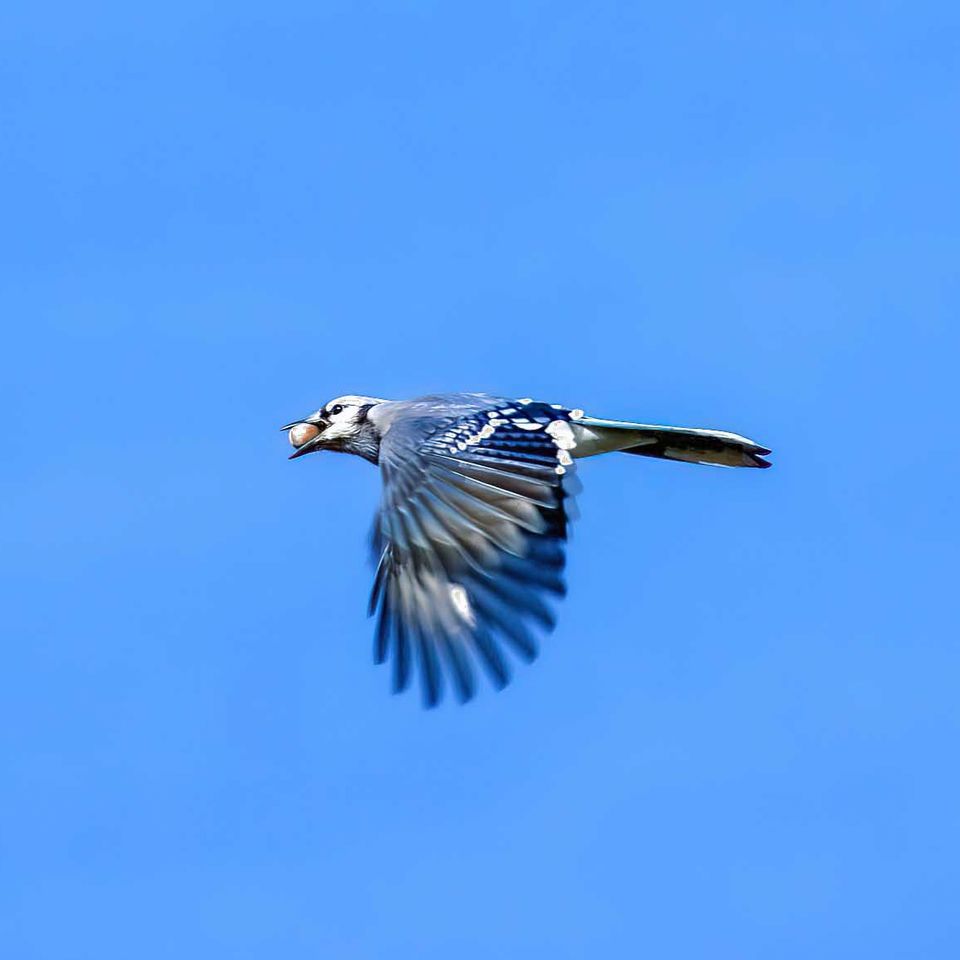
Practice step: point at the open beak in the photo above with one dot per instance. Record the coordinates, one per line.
(305, 435)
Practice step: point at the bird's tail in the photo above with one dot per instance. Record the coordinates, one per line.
(690, 444)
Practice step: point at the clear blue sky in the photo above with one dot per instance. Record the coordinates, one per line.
(741, 741)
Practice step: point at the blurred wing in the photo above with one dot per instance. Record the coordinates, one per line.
(470, 541)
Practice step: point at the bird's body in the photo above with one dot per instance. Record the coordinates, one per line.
(469, 539)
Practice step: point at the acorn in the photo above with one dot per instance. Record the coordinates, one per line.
(301, 433)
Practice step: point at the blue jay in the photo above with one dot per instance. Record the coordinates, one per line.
(477, 494)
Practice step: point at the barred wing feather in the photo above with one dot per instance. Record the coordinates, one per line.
(469, 541)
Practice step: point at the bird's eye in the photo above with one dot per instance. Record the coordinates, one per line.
(335, 409)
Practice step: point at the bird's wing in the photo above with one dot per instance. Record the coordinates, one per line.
(469, 540)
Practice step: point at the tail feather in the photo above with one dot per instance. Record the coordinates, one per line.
(689, 444)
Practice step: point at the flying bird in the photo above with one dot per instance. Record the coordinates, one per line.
(477, 497)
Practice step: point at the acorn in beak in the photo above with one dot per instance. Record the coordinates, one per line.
(304, 436)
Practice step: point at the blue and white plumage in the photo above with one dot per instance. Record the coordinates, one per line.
(470, 535)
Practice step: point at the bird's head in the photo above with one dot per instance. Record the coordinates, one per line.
(343, 425)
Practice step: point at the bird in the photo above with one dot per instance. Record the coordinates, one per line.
(469, 540)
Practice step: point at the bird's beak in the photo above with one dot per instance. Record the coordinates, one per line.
(312, 438)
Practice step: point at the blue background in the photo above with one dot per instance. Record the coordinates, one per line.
(742, 739)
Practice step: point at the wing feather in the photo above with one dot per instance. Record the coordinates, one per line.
(469, 540)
